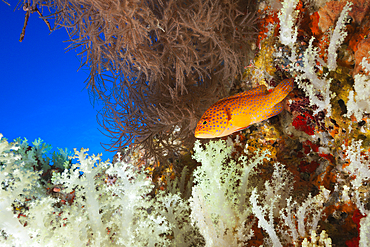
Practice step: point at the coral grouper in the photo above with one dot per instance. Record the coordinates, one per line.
(239, 111)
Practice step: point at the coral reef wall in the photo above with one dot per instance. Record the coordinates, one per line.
(300, 178)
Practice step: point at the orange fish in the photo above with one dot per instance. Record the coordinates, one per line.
(239, 111)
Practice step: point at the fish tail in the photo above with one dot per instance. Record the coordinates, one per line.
(283, 89)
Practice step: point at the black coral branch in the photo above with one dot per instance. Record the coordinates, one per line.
(157, 65)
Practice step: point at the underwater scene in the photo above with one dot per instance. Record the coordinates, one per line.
(234, 123)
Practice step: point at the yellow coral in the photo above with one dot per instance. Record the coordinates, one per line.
(263, 140)
(263, 64)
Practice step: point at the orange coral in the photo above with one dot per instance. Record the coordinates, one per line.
(329, 14)
(331, 11)
(315, 18)
(356, 38)
(263, 26)
(360, 9)
(363, 51)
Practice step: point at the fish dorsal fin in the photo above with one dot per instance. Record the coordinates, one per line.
(257, 90)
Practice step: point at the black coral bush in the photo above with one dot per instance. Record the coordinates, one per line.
(157, 65)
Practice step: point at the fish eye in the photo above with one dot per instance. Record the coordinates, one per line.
(205, 122)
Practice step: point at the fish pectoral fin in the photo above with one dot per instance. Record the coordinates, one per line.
(228, 112)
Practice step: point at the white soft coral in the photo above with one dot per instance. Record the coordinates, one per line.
(218, 203)
(317, 88)
(17, 183)
(358, 100)
(118, 212)
(358, 167)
